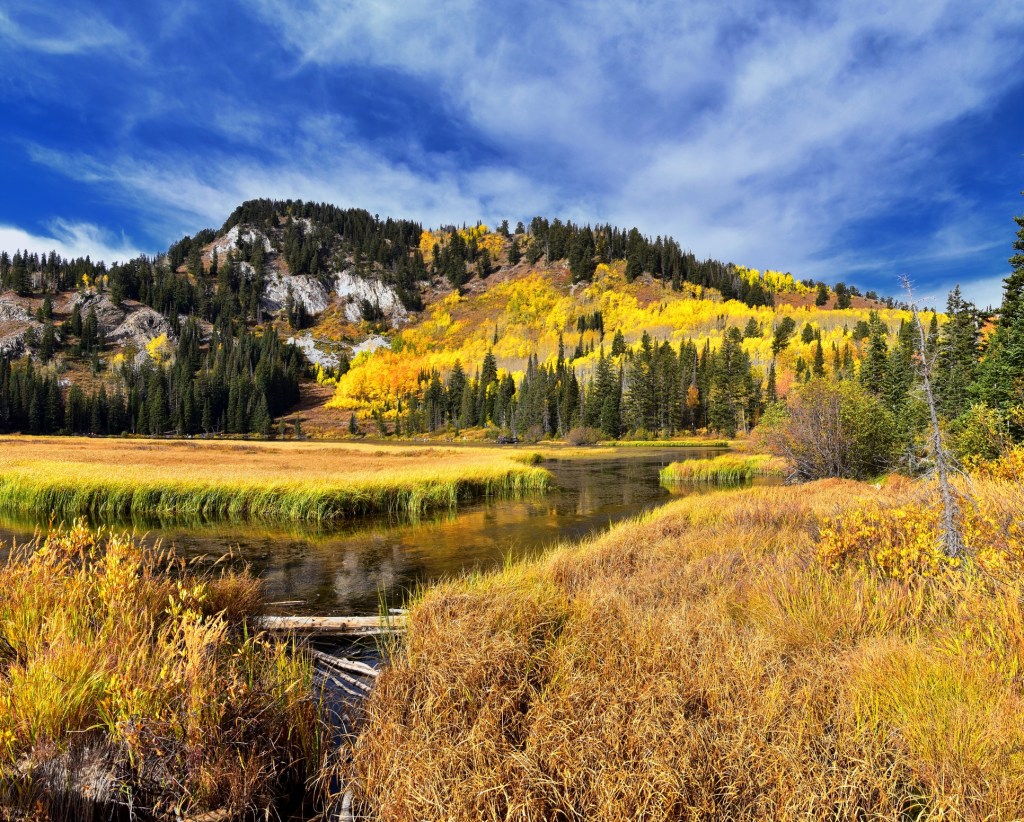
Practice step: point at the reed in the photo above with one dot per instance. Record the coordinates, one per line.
(727, 469)
(266, 482)
(709, 661)
(127, 678)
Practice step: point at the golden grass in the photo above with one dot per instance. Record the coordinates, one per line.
(266, 481)
(725, 469)
(123, 666)
(692, 443)
(701, 663)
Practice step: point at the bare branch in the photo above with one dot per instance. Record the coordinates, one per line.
(952, 541)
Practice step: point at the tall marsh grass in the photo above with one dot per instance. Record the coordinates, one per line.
(128, 680)
(725, 469)
(696, 443)
(703, 663)
(294, 482)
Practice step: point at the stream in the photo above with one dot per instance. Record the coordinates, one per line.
(356, 567)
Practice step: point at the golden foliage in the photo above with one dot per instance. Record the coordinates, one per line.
(529, 312)
(159, 349)
(777, 281)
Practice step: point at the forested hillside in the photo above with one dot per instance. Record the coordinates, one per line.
(529, 331)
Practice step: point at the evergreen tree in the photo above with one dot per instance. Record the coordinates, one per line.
(875, 365)
(957, 357)
(1000, 382)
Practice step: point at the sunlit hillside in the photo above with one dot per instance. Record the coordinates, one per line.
(526, 309)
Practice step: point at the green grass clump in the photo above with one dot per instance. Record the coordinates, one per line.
(117, 499)
(124, 662)
(725, 469)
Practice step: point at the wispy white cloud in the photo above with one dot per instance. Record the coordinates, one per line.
(753, 132)
(70, 239)
(322, 165)
(61, 31)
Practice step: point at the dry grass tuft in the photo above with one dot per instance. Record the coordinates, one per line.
(128, 679)
(701, 663)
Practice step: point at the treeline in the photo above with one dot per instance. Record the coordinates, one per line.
(237, 384)
(25, 272)
(663, 258)
(654, 389)
(974, 364)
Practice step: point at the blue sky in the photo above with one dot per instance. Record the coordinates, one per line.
(837, 140)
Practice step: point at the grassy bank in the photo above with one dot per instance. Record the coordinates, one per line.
(724, 469)
(668, 443)
(283, 482)
(128, 680)
(777, 653)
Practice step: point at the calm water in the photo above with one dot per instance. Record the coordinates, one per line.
(350, 569)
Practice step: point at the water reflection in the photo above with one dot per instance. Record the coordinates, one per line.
(350, 569)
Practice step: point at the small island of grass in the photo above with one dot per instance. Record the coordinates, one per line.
(197, 480)
(724, 469)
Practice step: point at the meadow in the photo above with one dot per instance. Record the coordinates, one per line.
(774, 653)
(290, 481)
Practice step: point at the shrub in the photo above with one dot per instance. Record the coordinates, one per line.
(535, 433)
(979, 432)
(903, 541)
(830, 428)
(581, 435)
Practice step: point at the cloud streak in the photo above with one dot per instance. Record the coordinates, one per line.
(65, 33)
(70, 240)
(808, 137)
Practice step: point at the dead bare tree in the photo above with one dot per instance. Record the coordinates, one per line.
(952, 541)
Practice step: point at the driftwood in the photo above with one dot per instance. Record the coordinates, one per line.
(344, 684)
(333, 625)
(343, 664)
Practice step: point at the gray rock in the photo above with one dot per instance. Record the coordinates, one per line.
(139, 327)
(304, 289)
(307, 345)
(11, 312)
(354, 290)
(108, 315)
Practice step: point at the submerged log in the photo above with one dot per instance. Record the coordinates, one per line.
(344, 664)
(333, 625)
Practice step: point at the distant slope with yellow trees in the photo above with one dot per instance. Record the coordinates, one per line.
(535, 316)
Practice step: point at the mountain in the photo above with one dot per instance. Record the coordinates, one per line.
(345, 318)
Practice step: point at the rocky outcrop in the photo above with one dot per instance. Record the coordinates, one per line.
(307, 345)
(362, 293)
(12, 342)
(16, 323)
(307, 291)
(139, 327)
(371, 344)
(238, 235)
(108, 316)
(132, 324)
(11, 312)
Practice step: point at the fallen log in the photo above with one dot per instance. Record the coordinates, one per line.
(343, 664)
(333, 625)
